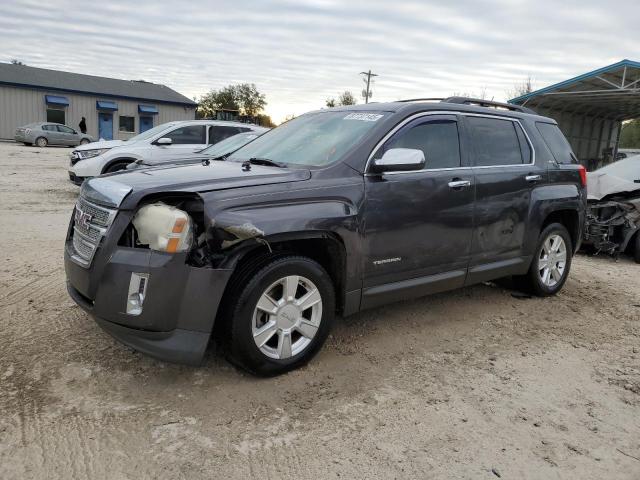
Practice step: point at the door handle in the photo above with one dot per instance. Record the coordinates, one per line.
(459, 183)
(533, 178)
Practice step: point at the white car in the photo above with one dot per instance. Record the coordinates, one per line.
(158, 145)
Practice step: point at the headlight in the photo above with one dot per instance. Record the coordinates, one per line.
(84, 154)
(164, 228)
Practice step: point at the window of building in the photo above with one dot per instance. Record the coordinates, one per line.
(218, 133)
(127, 124)
(557, 143)
(495, 141)
(55, 115)
(438, 140)
(194, 134)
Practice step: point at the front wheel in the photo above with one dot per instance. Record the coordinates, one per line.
(116, 167)
(551, 262)
(280, 316)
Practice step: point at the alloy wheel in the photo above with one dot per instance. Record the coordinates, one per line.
(287, 317)
(552, 260)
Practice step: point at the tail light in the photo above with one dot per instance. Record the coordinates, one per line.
(583, 175)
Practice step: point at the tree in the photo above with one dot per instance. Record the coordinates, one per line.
(519, 89)
(244, 97)
(630, 135)
(347, 98)
(15, 61)
(265, 121)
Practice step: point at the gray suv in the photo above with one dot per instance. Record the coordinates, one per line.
(331, 213)
(48, 133)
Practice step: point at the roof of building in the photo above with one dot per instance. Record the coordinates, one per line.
(612, 92)
(55, 80)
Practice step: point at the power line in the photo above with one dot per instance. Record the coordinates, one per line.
(367, 93)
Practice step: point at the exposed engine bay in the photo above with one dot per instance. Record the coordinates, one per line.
(613, 210)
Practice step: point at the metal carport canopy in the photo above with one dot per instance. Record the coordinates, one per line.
(590, 107)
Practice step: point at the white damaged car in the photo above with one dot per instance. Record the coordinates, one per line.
(613, 210)
(160, 144)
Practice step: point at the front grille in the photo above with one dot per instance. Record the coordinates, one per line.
(90, 223)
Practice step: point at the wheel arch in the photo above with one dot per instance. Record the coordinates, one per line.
(570, 219)
(325, 247)
(112, 162)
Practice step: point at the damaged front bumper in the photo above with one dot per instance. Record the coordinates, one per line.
(179, 305)
(612, 224)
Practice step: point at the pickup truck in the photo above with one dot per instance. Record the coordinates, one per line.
(331, 213)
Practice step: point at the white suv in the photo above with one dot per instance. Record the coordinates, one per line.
(167, 141)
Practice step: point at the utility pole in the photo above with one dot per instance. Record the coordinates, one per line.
(367, 93)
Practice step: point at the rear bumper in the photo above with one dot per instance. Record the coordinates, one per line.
(179, 308)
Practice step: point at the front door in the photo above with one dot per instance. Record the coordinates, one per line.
(105, 125)
(184, 140)
(418, 225)
(68, 135)
(146, 123)
(505, 173)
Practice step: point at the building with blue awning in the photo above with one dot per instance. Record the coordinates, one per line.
(112, 108)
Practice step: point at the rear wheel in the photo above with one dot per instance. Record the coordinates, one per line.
(280, 316)
(551, 262)
(42, 142)
(116, 167)
(84, 141)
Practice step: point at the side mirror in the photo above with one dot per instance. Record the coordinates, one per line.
(399, 160)
(164, 141)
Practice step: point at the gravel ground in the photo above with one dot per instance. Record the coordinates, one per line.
(474, 383)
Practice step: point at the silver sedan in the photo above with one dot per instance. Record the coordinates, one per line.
(48, 133)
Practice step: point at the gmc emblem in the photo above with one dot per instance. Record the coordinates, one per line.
(82, 219)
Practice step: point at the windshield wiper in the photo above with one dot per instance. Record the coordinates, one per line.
(266, 162)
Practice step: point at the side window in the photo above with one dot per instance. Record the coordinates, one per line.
(64, 129)
(218, 133)
(187, 135)
(49, 128)
(496, 141)
(557, 143)
(438, 140)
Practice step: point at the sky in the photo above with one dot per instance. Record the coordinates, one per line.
(299, 53)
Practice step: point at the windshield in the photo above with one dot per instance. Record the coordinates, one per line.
(312, 140)
(228, 145)
(150, 133)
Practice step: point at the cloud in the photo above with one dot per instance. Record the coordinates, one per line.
(299, 53)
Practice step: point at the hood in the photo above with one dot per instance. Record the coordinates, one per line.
(101, 144)
(186, 178)
(622, 176)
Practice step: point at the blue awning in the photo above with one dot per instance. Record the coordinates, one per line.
(104, 105)
(56, 100)
(148, 109)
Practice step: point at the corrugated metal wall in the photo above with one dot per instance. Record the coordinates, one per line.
(20, 106)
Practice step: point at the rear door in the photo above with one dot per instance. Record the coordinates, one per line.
(505, 174)
(184, 140)
(418, 224)
(218, 133)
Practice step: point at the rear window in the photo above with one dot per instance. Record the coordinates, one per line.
(557, 143)
(496, 142)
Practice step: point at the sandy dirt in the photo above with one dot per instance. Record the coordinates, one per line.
(469, 384)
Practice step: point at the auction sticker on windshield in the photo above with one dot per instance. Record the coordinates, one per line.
(365, 117)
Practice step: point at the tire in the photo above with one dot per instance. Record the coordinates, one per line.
(41, 142)
(116, 167)
(546, 282)
(84, 141)
(636, 249)
(256, 340)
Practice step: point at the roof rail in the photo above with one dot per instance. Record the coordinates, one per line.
(487, 103)
(421, 100)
